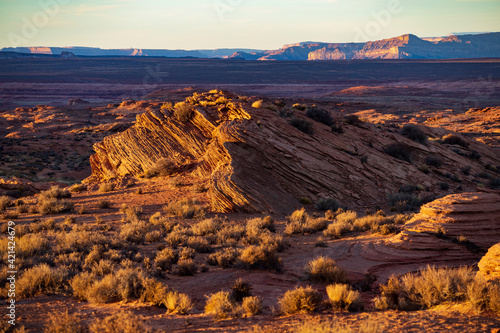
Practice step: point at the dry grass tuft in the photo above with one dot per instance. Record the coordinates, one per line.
(323, 269)
(187, 209)
(342, 297)
(64, 323)
(300, 300)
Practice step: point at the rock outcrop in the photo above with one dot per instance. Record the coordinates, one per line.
(489, 266)
(455, 230)
(255, 161)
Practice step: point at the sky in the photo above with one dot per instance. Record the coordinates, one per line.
(210, 24)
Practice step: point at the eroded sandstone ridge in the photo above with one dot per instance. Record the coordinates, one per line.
(455, 230)
(255, 160)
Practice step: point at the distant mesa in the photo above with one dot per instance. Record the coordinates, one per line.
(407, 46)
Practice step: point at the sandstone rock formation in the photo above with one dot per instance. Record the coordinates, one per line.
(489, 266)
(455, 230)
(255, 161)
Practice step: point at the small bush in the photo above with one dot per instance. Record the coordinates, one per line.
(302, 125)
(323, 269)
(337, 229)
(325, 204)
(178, 303)
(161, 168)
(64, 323)
(465, 170)
(404, 201)
(400, 151)
(342, 297)
(77, 188)
(106, 187)
(413, 132)
(56, 192)
(431, 287)
(200, 244)
(260, 257)
(187, 267)
(206, 227)
(300, 107)
(220, 305)
(123, 322)
(166, 258)
(433, 160)
(305, 201)
(240, 290)
(48, 206)
(183, 112)
(252, 305)
(300, 300)
(320, 115)
(4, 202)
(187, 209)
(223, 258)
(337, 128)
(40, 279)
(453, 139)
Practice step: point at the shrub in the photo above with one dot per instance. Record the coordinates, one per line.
(4, 202)
(337, 128)
(134, 232)
(327, 204)
(40, 279)
(300, 300)
(433, 160)
(223, 258)
(465, 170)
(453, 139)
(122, 322)
(404, 201)
(56, 192)
(161, 168)
(342, 297)
(219, 305)
(257, 104)
(413, 132)
(166, 258)
(200, 244)
(260, 257)
(176, 302)
(106, 187)
(187, 209)
(301, 107)
(305, 201)
(323, 269)
(77, 188)
(31, 245)
(206, 227)
(400, 151)
(432, 287)
(64, 323)
(240, 290)
(320, 115)
(252, 305)
(124, 284)
(302, 125)
(53, 205)
(183, 112)
(187, 267)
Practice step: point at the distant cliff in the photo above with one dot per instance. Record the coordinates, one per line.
(403, 47)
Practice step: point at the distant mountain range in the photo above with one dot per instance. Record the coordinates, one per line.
(409, 46)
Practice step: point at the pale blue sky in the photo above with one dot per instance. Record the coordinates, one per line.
(264, 24)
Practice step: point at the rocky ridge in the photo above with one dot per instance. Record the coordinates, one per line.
(253, 160)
